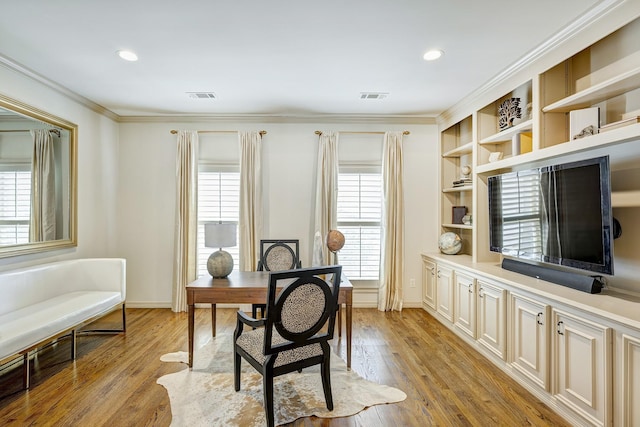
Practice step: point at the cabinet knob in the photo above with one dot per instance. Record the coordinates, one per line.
(538, 317)
(559, 325)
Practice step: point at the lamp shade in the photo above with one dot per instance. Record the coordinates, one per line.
(218, 235)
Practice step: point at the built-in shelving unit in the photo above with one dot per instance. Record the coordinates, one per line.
(591, 70)
(604, 74)
(457, 148)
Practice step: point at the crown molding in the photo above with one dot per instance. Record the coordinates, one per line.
(27, 72)
(283, 118)
(473, 101)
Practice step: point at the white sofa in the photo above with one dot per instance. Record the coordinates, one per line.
(39, 304)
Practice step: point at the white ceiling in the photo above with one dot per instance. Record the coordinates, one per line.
(277, 57)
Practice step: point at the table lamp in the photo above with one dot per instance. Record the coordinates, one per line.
(219, 235)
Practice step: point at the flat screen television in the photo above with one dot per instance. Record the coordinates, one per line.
(559, 214)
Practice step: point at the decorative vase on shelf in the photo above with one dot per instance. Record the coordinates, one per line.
(450, 243)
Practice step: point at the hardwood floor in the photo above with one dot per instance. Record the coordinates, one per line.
(113, 380)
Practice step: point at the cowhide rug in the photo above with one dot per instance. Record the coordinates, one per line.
(204, 396)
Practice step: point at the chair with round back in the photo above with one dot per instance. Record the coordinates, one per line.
(301, 310)
(276, 255)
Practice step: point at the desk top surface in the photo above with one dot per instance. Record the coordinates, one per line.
(245, 280)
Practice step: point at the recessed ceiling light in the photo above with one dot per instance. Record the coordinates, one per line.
(433, 54)
(127, 55)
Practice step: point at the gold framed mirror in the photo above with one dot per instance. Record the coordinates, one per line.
(38, 180)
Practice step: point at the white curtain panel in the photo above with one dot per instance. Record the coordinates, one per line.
(326, 207)
(250, 198)
(42, 226)
(186, 217)
(392, 259)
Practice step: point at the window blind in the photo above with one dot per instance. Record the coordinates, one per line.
(15, 206)
(218, 200)
(359, 214)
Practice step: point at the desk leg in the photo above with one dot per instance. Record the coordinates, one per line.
(213, 320)
(348, 334)
(191, 316)
(339, 320)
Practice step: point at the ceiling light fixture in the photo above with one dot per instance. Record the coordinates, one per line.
(433, 55)
(127, 55)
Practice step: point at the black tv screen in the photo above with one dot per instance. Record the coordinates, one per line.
(559, 214)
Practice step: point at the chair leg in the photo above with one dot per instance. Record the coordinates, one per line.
(236, 370)
(267, 386)
(326, 380)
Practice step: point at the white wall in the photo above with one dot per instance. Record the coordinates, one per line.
(97, 170)
(146, 210)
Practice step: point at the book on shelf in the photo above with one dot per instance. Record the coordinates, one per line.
(462, 182)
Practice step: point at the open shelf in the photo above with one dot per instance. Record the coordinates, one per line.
(625, 199)
(610, 88)
(613, 136)
(457, 189)
(460, 151)
(460, 226)
(507, 134)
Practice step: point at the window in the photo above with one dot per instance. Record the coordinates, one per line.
(218, 200)
(15, 204)
(359, 216)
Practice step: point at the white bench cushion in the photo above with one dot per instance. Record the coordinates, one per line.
(28, 326)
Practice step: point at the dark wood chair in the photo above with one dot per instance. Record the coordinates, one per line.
(301, 310)
(277, 255)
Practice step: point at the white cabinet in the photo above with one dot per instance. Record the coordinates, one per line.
(429, 283)
(491, 317)
(582, 367)
(628, 378)
(529, 339)
(465, 304)
(444, 292)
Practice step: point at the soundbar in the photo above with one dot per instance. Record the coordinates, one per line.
(588, 284)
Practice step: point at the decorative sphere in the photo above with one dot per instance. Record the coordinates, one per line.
(335, 240)
(466, 170)
(220, 264)
(450, 243)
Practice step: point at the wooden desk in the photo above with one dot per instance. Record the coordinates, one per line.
(247, 287)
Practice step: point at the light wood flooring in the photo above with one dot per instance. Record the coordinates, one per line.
(113, 380)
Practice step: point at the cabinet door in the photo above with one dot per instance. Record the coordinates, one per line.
(629, 380)
(491, 317)
(444, 293)
(530, 339)
(429, 283)
(582, 367)
(465, 309)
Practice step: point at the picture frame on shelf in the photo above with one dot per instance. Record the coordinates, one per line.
(584, 122)
(458, 213)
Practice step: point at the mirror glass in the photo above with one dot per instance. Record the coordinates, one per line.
(37, 180)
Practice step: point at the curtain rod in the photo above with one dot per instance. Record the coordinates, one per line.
(406, 132)
(56, 131)
(262, 132)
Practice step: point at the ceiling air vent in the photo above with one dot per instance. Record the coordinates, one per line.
(202, 95)
(373, 95)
